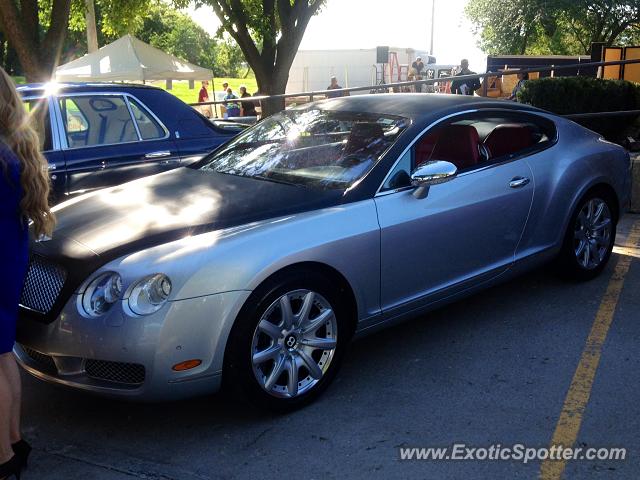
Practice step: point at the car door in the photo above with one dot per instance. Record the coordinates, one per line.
(464, 232)
(111, 139)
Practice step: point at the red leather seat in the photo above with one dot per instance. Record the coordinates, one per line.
(508, 138)
(458, 144)
(424, 148)
(362, 136)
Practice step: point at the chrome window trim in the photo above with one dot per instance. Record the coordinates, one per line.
(379, 191)
(552, 142)
(133, 118)
(126, 95)
(53, 125)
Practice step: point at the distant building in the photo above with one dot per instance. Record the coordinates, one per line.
(312, 69)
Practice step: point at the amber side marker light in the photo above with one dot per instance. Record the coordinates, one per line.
(186, 365)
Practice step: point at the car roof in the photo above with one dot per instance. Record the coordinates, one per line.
(36, 88)
(414, 105)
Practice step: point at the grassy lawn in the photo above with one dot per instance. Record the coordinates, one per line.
(181, 88)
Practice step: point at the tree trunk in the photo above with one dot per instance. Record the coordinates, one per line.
(38, 57)
(272, 83)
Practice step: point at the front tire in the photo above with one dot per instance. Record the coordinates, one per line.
(589, 238)
(288, 341)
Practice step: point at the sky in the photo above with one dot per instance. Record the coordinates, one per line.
(398, 23)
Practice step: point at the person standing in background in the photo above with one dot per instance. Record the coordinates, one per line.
(466, 86)
(418, 67)
(233, 108)
(24, 192)
(522, 78)
(248, 108)
(223, 107)
(334, 86)
(203, 96)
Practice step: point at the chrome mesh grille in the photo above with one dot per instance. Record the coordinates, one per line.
(130, 373)
(42, 285)
(44, 362)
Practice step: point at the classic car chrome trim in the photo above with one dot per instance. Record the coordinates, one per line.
(55, 134)
(126, 95)
(133, 118)
(411, 144)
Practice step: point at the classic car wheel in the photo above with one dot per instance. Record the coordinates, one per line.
(287, 344)
(590, 237)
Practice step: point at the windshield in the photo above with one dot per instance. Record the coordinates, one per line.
(309, 147)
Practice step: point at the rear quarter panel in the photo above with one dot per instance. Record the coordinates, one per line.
(194, 134)
(562, 175)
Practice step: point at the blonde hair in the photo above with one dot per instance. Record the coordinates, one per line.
(17, 132)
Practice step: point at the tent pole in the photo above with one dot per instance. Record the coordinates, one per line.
(213, 91)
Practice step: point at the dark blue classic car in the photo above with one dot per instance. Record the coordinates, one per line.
(102, 134)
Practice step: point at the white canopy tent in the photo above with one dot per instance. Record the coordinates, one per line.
(129, 59)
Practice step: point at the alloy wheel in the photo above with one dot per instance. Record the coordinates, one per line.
(592, 233)
(294, 343)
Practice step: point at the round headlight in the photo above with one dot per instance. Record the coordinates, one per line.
(101, 294)
(149, 294)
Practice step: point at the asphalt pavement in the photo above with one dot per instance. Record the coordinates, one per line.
(496, 368)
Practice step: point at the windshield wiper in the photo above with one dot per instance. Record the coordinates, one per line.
(270, 179)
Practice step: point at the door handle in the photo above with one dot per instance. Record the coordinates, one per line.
(160, 154)
(519, 182)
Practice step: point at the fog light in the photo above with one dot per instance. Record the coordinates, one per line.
(186, 365)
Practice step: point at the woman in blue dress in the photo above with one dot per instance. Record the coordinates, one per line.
(24, 192)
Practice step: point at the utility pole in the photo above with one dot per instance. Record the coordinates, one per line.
(92, 32)
(433, 23)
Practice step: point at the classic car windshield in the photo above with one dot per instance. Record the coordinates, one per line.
(311, 147)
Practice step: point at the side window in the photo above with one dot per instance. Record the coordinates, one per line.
(74, 120)
(149, 128)
(96, 120)
(38, 110)
(400, 177)
(476, 140)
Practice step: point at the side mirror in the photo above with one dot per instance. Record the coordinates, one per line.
(430, 173)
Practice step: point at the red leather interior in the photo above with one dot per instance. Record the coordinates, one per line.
(508, 138)
(458, 144)
(363, 135)
(424, 147)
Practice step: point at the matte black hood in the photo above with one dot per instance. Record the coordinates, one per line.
(165, 207)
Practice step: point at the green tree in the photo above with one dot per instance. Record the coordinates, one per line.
(269, 33)
(38, 46)
(607, 21)
(552, 26)
(229, 59)
(114, 18)
(176, 33)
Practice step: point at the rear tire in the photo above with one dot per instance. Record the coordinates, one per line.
(288, 342)
(589, 238)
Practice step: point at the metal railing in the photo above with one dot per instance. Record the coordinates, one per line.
(386, 86)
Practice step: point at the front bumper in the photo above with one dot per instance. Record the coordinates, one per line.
(120, 356)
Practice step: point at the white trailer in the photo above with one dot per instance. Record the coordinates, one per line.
(312, 69)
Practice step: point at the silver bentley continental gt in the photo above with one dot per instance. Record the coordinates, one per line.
(256, 266)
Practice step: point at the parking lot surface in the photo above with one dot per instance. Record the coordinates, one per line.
(496, 368)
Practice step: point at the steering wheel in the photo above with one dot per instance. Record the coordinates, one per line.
(351, 161)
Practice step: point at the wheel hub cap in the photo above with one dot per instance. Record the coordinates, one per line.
(294, 343)
(592, 236)
(291, 341)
